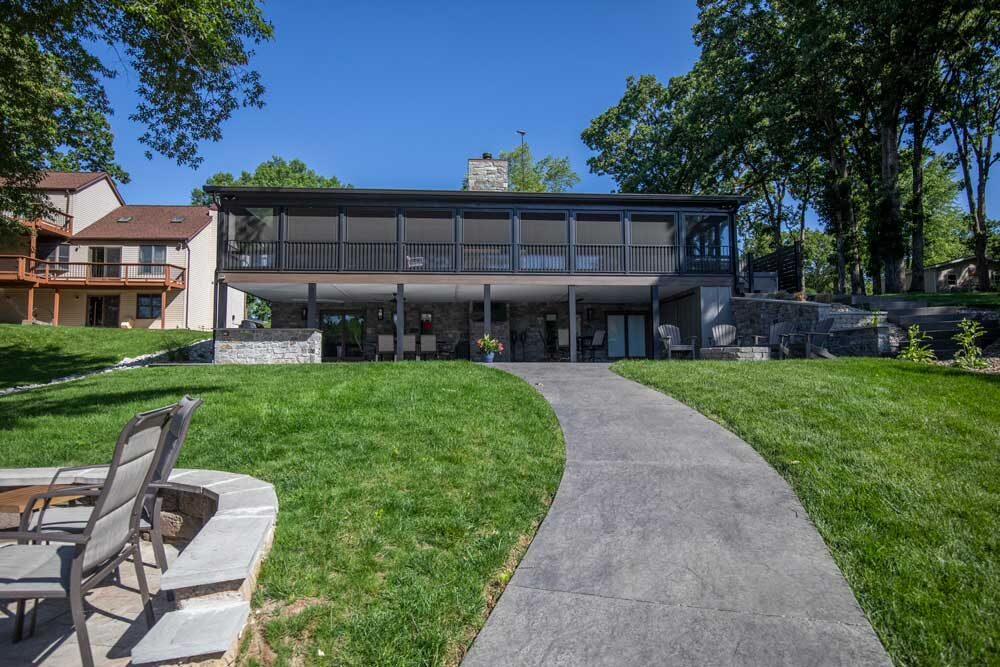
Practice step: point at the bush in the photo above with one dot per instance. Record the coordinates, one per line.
(969, 355)
(917, 348)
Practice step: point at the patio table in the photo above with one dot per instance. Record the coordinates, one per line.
(13, 502)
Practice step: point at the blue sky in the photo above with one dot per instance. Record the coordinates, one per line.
(399, 95)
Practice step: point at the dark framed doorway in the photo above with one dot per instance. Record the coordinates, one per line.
(628, 335)
(103, 311)
(343, 334)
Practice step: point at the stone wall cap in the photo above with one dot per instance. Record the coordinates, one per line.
(193, 632)
(781, 301)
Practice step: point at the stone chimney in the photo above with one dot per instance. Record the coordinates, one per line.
(488, 173)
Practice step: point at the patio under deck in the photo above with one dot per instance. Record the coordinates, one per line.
(538, 318)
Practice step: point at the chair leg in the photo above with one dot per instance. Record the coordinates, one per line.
(156, 535)
(34, 617)
(19, 620)
(140, 575)
(80, 625)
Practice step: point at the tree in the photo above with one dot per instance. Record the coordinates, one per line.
(549, 174)
(946, 233)
(189, 59)
(973, 119)
(276, 173)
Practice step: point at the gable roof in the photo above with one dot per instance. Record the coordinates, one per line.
(960, 260)
(69, 180)
(149, 222)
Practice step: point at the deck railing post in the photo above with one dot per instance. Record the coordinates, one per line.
(571, 297)
(399, 322)
(311, 322)
(654, 302)
(487, 310)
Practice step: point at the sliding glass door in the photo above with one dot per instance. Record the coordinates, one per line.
(343, 334)
(626, 335)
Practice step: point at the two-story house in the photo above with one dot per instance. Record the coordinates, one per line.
(96, 261)
(407, 273)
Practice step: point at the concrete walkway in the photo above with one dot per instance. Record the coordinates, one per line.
(670, 542)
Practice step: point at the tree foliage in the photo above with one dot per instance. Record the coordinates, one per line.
(276, 173)
(549, 174)
(825, 109)
(189, 60)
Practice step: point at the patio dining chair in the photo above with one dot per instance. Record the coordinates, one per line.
(70, 564)
(562, 336)
(670, 336)
(595, 343)
(74, 519)
(386, 345)
(428, 345)
(409, 345)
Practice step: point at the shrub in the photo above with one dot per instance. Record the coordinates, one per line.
(969, 355)
(917, 348)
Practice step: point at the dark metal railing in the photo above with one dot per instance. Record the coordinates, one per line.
(430, 257)
(473, 257)
(370, 257)
(486, 257)
(547, 257)
(595, 258)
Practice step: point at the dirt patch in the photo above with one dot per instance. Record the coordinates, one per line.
(256, 649)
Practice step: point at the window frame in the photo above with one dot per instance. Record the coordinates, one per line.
(156, 308)
(149, 268)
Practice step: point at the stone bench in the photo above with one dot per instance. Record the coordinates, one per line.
(213, 577)
(736, 353)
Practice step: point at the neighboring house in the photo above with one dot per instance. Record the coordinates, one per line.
(95, 261)
(544, 272)
(958, 274)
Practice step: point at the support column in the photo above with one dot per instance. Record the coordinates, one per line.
(163, 309)
(571, 294)
(654, 298)
(311, 322)
(55, 308)
(487, 310)
(399, 322)
(31, 304)
(221, 304)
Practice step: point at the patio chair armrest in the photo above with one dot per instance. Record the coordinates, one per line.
(23, 536)
(29, 507)
(795, 334)
(694, 341)
(60, 471)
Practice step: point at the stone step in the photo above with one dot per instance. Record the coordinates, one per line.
(203, 631)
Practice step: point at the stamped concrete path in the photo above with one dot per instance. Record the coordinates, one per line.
(670, 542)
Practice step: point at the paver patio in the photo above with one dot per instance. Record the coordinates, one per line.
(670, 541)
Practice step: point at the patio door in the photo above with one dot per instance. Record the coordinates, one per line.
(106, 262)
(343, 334)
(626, 335)
(103, 311)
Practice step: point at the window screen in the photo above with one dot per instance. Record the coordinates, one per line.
(486, 227)
(253, 224)
(428, 226)
(598, 229)
(706, 231)
(312, 224)
(371, 225)
(147, 307)
(544, 227)
(654, 229)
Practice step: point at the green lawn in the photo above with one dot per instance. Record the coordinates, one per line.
(407, 491)
(899, 467)
(985, 300)
(31, 354)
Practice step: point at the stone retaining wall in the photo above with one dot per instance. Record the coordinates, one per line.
(268, 346)
(734, 353)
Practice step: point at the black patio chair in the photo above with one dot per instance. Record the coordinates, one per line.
(595, 343)
(70, 564)
(74, 519)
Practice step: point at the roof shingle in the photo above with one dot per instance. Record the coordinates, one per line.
(149, 222)
(69, 180)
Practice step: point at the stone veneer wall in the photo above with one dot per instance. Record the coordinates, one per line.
(456, 329)
(754, 317)
(488, 174)
(268, 346)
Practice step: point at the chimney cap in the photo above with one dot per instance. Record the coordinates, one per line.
(487, 155)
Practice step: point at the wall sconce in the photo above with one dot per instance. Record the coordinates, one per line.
(590, 313)
(380, 314)
(305, 313)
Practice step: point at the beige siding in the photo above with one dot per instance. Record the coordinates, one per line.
(13, 305)
(201, 277)
(92, 203)
(237, 307)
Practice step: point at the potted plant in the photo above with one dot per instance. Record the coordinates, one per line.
(489, 346)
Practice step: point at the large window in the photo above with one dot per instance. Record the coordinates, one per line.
(253, 224)
(312, 224)
(544, 228)
(707, 233)
(654, 229)
(151, 259)
(371, 225)
(147, 307)
(428, 226)
(484, 227)
(598, 229)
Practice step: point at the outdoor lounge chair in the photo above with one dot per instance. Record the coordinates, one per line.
(670, 336)
(74, 519)
(779, 338)
(73, 563)
(595, 343)
(818, 339)
(386, 345)
(428, 345)
(723, 335)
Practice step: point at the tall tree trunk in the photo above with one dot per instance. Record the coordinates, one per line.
(889, 224)
(919, 131)
(848, 241)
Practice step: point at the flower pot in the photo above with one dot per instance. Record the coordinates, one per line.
(488, 357)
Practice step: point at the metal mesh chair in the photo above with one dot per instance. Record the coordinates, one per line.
(72, 563)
